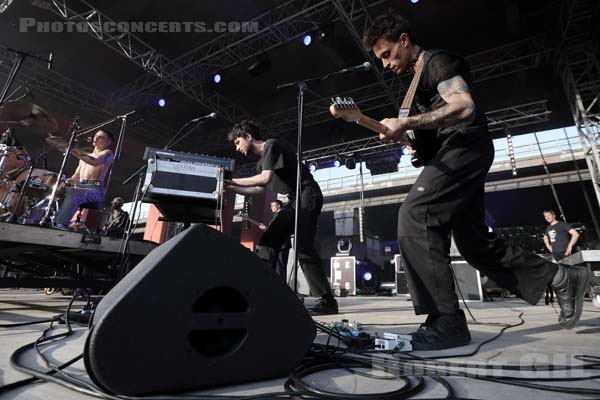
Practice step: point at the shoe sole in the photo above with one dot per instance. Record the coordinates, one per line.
(445, 346)
(583, 282)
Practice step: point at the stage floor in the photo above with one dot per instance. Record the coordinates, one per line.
(538, 341)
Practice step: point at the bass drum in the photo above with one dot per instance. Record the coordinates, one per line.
(37, 194)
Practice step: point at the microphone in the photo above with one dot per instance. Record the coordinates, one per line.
(50, 61)
(212, 115)
(361, 67)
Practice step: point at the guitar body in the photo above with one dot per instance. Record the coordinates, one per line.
(423, 149)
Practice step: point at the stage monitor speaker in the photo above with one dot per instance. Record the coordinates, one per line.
(200, 310)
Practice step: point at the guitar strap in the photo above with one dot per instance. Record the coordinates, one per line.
(419, 63)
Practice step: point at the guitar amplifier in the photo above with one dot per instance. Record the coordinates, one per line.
(177, 174)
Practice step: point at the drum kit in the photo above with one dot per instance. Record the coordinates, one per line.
(25, 189)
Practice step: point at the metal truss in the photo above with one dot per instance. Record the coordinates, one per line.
(505, 118)
(284, 23)
(143, 55)
(38, 78)
(510, 58)
(579, 69)
(348, 11)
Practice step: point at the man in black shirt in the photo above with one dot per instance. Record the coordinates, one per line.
(276, 169)
(117, 220)
(448, 196)
(559, 237)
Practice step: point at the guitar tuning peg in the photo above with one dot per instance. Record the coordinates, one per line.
(350, 99)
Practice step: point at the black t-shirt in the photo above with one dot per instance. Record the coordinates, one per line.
(559, 237)
(281, 159)
(439, 66)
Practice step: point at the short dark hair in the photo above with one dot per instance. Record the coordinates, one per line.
(279, 202)
(119, 200)
(387, 26)
(242, 129)
(109, 134)
(549, 212)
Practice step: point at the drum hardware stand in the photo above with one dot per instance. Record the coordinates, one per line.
(73, 131)
(18, 60)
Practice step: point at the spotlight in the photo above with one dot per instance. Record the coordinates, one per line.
(337, 162)
(414, 1)
(216, 78)
(367, 276)
(307, 40)
(162, 102)
(312, 166)
(350, 162)
(405, 151)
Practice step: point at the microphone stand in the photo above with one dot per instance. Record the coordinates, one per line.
(17, 61)
(302, 87)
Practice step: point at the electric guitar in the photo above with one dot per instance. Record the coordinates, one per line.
(245, 217)
(346, 108)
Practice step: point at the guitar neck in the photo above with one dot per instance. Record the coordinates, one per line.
(371, 124)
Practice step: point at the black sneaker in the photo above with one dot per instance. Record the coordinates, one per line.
(443, 331)
(324, 307)
(570, 293)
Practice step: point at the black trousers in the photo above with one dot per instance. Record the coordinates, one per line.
(282, 227)
(448, 199)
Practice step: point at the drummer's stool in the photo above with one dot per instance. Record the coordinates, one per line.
(87, 217)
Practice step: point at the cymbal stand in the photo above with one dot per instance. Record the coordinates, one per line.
(73, 131)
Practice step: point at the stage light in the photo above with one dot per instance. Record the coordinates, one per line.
(307, 40)
(405, 151)
(350, 162)
(414, 1)
(337, 162)
(367, 276)
(312, 166)
(162, 102)
(216, 78)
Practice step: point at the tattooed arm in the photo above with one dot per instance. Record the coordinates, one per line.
(460, 108)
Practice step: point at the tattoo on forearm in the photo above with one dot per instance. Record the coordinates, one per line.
(452, 113)
(443, 116)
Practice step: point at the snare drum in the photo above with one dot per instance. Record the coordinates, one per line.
(40, 183)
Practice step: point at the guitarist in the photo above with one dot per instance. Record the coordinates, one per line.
(448, 196)
(276, 169)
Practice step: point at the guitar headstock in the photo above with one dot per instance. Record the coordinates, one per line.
(345, 108)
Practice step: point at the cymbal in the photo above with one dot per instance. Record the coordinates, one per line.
(29, 115)
(61, 144)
